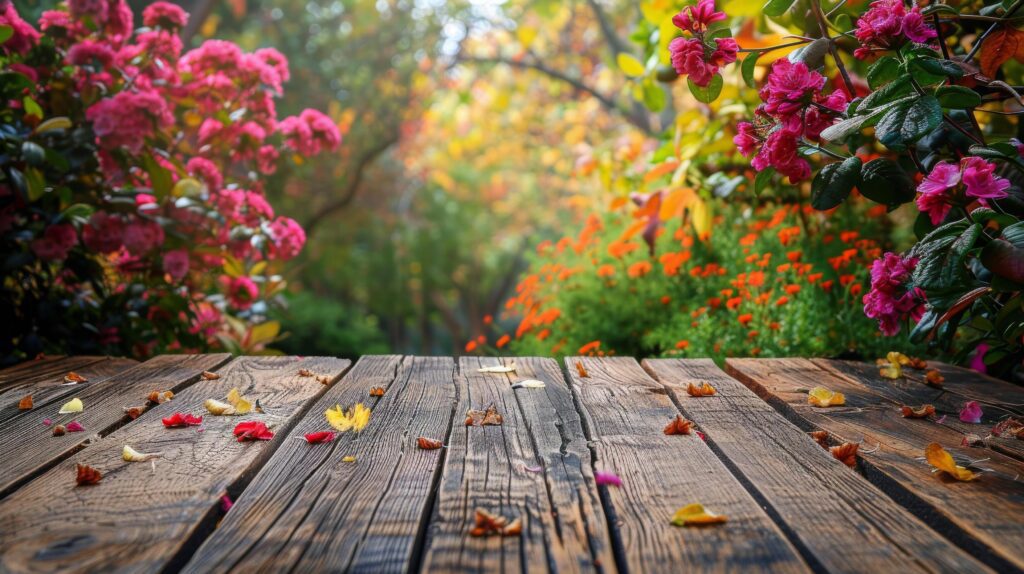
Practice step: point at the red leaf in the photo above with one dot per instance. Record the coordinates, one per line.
(252, 430)
(428, 443)
(87, 475)
(679, 425)
(1000, 46)
(178, 420)
(322, 436)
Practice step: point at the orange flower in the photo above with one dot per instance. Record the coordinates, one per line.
(756, 279)
(639, 269)
(877, 211)
(748, 239)
(470, 346)
(794, 256)
(733, 303)
(682, 344)
(745, 318)
(618, 248)
(813, 277)
(605, 271)
(502, 341)
(591, 346)
(783, 268)
(781, 301)
(753, 334)
(848, 236)
(543, 334)
(665, 300)
(792, 289)
(856, 289)
(845, 280)
(715, 302)
(827, 285)
(774, 326)
(481, 339)
(488, 319)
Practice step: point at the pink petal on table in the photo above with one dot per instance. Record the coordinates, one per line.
(701, 435)
(74, 426)
(971, 413)
(607, 478)
(226, 503)
(940, 420)
(533, 468)
(47, 422)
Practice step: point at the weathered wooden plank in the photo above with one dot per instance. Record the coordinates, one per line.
(310, 511)
(963, 387)
(28, 447)
(867, 531)
(486, 468)
(31, 371)
(625, 412)
(143, 517)
(983, 516)
(49, 386)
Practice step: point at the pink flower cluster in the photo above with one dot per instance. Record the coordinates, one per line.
(889, 300)
(793, 108)
(128, 118)
(55, 242)
(695, 57)
(887, 25)
(310, 132)
(939, 191)
(23, 35)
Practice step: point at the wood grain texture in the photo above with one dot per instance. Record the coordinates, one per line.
(625, 412)
(486, 468)
(309, 511)
(28, 447)
(31, 371)
(983, 516)
(963, 386)
(142, 517)
(48, 385)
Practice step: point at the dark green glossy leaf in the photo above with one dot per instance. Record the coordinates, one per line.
(747, 68)
(762, 179)
(885, 70)
(906, 123)
(834, 183)
(708, 94)
(885, 182)
(957, 97)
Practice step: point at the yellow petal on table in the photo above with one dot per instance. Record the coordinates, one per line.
(942, 460)
(218, 408)
(511, 368)
(73, 406)
(891, 371)
(356, 418)
(695, 515)
(897, 358)
(822, 397)
(129, 454)
(240, 404)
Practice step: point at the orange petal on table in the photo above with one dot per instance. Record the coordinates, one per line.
(846, 453)
(696, 515)
(918, 413)
(916, 363)
(86, 475)
(822, 397)
(942, 460)
(305, 373)
(581, 370)
(487, 523)
(73, 378)
(514, 528)
(25, 404)
(377, 392)
(820, 437)
(210, 376)
(160, 397)
(428, 443)
(702, 390)
(679, 425)
(933, 378)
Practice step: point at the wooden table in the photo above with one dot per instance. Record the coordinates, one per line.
(374, 502)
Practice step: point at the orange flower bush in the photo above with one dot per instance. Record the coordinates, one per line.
(744, 290)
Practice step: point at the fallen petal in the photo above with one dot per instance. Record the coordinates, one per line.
(607, 478)
(74, 378)
(25, 404)
(942, 460)
(971, 413)
(428, 443)
(129, 454)
(696, 515)
(318, 437)
(822, 397)
(86, 475)
(74, 426)
(73, 406)
(511, 368)
(528, 384)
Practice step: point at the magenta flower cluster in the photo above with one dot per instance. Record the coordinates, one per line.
(793, 108)
(887, 25)
(889, 300)
(695, 57)
(949, 183)
(205, 118)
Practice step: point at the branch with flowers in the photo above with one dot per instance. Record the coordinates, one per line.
(902, 104)
(133, 218)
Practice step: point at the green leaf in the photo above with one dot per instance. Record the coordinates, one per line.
(58, 123)
(5, 33)
(1015, 234)
(747, 68)
(159, 177)
(884, 181)
(885, 70)
(834, 183)
(654, 96)
(843, 129)
(36, 183)
(888, 93)
(31, 107)
(908, 122)
(776, 8)
(957, 97)
(630, 65)
(939, 8)
(939, 67)
(762, 179)
(708, 94)
(942, 265)
(264, 333)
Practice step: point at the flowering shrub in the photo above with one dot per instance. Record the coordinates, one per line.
(762, 286)
(133, 218)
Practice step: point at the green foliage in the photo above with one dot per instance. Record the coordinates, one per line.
(322, 326)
